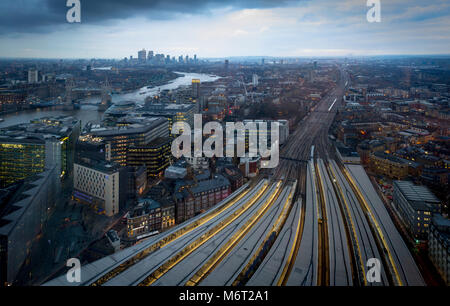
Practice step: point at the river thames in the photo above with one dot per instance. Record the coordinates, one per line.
(89, 113)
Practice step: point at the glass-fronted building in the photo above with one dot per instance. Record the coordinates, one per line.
(24, 211)
(122, 138)
(30, 148)
(155, 156)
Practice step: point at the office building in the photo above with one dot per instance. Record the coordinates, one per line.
(389, 165)
(95, 151)
(195, 88)
(134, 134)
(260, 125)
(89, 149)
(102, 186)
(137, 181)
(255, 80)
(284, 130)
(173, 112)
(155, 156)
(24, 211)
(20, 158)
(311, 75)
(29, 148)
(439, 246)
(142, 55)
(416, 205)
(119, 110)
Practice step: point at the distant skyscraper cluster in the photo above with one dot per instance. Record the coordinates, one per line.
(161, 59)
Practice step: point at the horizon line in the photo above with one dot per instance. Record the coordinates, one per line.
(240, 56)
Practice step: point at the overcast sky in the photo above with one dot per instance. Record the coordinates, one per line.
(221, 28)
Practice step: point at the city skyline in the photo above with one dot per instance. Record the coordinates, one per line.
(198, 143)
(215, 29)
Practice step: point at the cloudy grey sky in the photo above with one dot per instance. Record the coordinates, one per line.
(220, 28)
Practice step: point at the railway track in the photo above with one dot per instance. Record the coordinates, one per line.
(154, 260)
(365, 242)
(309, 223)
(170, 237)
(218, 256)
(251, 249)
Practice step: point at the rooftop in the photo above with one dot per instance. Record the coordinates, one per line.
(218, 181)
(99, 165)
(40, 129)
(166, 109)
(390, 157)
(144, 207)
(417, 195)
(443, 226)
(17, 198)
(131, 129)
(112, 235)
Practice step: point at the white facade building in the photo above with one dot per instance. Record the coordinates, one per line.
(284, 131)
(255, 80)
(97, 186)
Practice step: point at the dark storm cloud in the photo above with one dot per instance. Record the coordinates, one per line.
(26, 16)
